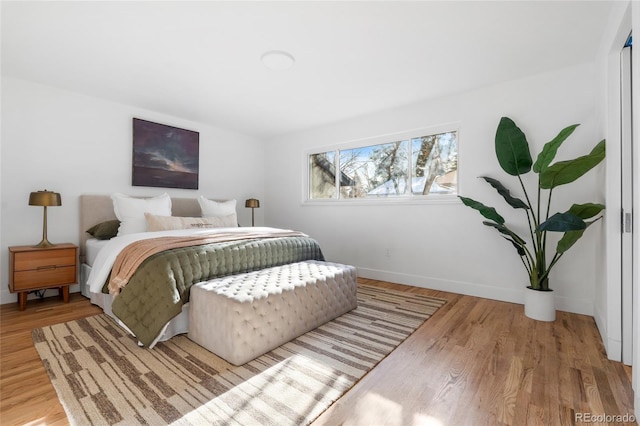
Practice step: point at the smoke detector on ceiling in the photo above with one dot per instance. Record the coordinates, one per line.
(278, 60)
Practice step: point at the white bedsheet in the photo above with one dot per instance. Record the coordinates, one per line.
(92, 248)
(106, 257)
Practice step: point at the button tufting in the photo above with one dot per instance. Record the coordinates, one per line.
(290, 299)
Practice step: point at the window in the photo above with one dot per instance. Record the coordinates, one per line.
(414, 166)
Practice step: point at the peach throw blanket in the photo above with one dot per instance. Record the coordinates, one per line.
(137, 252)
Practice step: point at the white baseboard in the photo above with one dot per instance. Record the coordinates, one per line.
(515, 295)
(613, 347)
(7, 297)
(578, 306)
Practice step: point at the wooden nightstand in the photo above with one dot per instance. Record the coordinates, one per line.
(39, 268)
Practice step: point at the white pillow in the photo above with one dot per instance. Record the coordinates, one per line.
(211, 208)
(130, 211)
(168, 223)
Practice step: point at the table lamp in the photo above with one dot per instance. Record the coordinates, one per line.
(45, 199)
(253, 204)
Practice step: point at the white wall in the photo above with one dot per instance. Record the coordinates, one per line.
(445, 246)
(74, 144)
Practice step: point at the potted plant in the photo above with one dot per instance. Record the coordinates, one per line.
(512, 151)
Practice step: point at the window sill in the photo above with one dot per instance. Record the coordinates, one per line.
(379, 201)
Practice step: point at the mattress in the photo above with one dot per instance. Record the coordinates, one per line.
(93, 247)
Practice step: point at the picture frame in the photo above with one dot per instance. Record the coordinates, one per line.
(165, 156)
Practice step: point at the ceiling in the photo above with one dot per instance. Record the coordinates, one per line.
(201, 60)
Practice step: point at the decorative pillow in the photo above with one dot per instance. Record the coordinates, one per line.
(211, 208)
(167, 223)
(130, 211)
(105, 230)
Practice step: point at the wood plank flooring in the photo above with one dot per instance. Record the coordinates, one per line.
(475, 362)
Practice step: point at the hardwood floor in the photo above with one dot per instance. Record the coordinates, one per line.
(475, 362)
(26, 394)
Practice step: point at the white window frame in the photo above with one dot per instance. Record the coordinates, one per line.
(408, 198)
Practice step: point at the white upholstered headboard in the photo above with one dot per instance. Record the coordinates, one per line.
(95, 209)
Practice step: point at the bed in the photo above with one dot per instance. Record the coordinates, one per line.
(153, 303)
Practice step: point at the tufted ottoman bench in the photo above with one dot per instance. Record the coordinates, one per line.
(240, 317)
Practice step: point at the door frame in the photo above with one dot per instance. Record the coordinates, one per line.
(626, 184)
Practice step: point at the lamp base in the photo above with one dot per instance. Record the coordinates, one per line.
(44, 243)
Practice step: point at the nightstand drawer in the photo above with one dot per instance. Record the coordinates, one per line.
(44, 277)
(39, 260)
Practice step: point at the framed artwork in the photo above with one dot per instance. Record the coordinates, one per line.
(164, 156)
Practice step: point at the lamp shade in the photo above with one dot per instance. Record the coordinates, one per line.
(45, 198)
(252, 203)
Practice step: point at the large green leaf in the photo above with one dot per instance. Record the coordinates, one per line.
(587, 210)
(512, 148)
(564, 172)
(486, 211)
(518, 247)
(516, 203)
(549, 151)
(583, 211)
(562, 222)
(568, 240)
(506, 231)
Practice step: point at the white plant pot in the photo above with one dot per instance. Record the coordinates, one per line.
(539, 305)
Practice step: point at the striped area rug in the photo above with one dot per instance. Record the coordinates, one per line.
(102, 376)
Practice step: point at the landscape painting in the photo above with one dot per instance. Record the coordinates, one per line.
(164, 156)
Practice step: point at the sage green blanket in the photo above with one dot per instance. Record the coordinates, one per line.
(160, 286)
